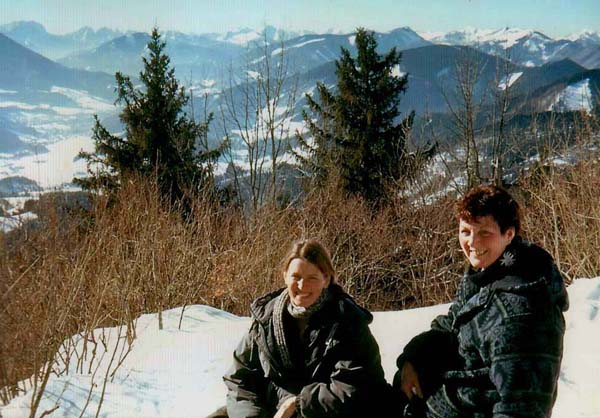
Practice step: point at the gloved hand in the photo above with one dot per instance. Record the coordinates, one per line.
(415, 408)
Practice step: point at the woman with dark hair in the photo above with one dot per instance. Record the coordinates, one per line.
(309, 351)
(497, 352)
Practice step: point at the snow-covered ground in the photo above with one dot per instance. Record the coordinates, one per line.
(574, 97)
(508, 81)
(56, 135)
(53, 168)
(8, 223)
(176, 371)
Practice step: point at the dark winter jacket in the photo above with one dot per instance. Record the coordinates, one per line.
(497, 352)
(334, 369)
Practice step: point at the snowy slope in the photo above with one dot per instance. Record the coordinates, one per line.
(505, 37)
(525, 46)
(574, 97)
(177, 372)
(586, 36)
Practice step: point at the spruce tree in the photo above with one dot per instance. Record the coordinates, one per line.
(354, 127)
(160, 138)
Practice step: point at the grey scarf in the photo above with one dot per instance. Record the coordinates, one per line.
(283, 302)
(300, 312)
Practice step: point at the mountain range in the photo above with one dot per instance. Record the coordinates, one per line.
(527, 47)
(92, 49)
(45, 103)
(35, 37)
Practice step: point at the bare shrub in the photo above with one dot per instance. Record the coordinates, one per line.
(563, 215)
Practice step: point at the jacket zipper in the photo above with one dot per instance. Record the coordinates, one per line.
(328, 345)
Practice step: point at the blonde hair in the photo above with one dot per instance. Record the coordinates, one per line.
(312, 251)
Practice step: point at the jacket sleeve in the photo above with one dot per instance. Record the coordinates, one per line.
(526, 352)
(432, 353)
(245, 381)
(357, 380)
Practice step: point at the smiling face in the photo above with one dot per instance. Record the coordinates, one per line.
(482, 241)
(305, 282)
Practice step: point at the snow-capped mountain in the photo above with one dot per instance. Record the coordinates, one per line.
(525, 46)
(119, 54)
(586, 37)
(401, 39)
(307, 52)
(46, 114)
(197, 56)
(247, 36)
(504, 38)
(25, 71)
(35, 37)
(208, 57)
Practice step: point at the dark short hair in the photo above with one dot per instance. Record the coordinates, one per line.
(312, 251)
(490, 200)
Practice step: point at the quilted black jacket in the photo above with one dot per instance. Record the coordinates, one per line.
(497, 352)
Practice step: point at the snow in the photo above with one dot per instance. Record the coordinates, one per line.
(51, 169)
(208, 83)
(508, 81)
(430, 35)
(8, 223)
(300, 45)
(15, 204)
(505, 37)
(177, 371)
(585, 34)
(241, 37)
(84, 100)
(397, 71)
(255, 75)
(574, 97)
(63, 131)
(17, 105)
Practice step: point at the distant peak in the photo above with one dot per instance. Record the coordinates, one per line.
(506, 36)
(585, 34)
(23, 25)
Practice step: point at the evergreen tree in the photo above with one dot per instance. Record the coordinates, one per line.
(160, 139)
(354, 128)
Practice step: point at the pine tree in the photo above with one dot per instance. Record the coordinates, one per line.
(353, 128)
(318, 160)
(160, 139)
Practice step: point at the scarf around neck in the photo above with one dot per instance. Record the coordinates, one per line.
(300, 312)
(283, 303)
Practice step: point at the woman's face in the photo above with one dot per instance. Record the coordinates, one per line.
(305, 282)
(482, 241)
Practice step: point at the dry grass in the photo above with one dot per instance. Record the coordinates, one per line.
(563, 215)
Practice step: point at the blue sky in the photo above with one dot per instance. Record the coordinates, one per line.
(553, 17)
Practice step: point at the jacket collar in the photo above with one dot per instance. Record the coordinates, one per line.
(522, 268)
(520, 258)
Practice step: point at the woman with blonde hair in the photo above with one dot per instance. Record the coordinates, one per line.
(309, 351)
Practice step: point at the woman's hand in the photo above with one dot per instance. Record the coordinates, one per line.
(287, 409)
(410, 381)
